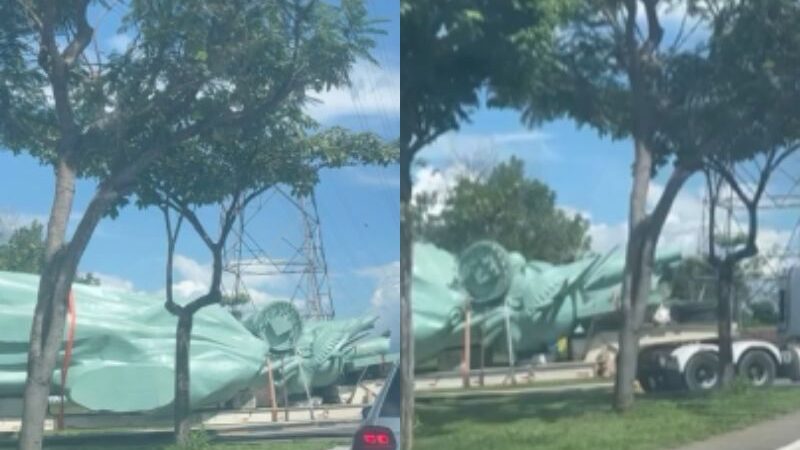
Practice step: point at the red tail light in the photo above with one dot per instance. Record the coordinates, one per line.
(374, 438)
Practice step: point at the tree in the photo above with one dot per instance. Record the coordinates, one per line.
(449, 52)
(618, 75)
(190, 70)
(519, 213)
(753, 58)
(24, 250)
(230, 170)
(692, 280)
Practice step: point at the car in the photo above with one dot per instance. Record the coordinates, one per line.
(380, 427)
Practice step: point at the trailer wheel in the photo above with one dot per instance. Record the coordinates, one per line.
(653, 382)
(758, 367)
(702, 372)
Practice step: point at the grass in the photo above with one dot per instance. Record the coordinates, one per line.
(585, 420)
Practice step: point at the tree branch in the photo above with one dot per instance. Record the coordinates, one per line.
(31, 13)
(193, 220)
(659, 214)
(713, 187)
(172, 237)
(654, 30)
(82, 38)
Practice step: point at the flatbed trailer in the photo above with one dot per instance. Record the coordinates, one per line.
(694, 365)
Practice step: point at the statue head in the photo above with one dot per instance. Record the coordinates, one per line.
(484, 269)
(279, 323)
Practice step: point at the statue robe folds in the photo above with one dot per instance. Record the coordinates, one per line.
(123, 350)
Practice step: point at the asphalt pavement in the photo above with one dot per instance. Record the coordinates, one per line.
(782, 433)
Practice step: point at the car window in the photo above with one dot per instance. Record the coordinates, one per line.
(391, 404)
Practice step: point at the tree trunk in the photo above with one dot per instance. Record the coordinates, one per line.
(625, 371)
(60, 209)
(628, 334)
(466, 356)
(727, 370)
(183, 334)
(406, 319)
(49, 317)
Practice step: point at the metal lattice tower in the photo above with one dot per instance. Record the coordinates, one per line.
(764, 286)
(318, 300)
(246, 257)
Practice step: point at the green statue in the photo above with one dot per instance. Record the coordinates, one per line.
(537, 301)
(318, 352)
(122, 350)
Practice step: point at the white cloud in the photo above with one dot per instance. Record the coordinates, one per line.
(385, 299)
(9, 222)
(114, 281)
(192, 279)
(439, 182)
(375, 91)
(607, 236)
(683, 227)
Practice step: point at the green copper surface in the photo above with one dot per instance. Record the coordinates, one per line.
(124, 347)
(543, 301)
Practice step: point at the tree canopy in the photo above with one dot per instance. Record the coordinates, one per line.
(194, 72)
(24, 250)
(505, 206)
(451, 50)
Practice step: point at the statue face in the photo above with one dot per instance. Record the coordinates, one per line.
(485, 272)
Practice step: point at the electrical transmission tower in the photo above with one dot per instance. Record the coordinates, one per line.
(776, 260)
(247, 258)
(318, 301)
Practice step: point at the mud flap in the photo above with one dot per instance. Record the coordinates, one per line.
(791, 364)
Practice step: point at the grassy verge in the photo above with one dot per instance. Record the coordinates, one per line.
(585, 420)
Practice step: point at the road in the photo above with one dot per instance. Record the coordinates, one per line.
(778, 434)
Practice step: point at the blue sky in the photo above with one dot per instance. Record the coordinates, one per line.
(358, 207)
(592, 175)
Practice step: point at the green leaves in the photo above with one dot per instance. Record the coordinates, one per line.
(451, 50)
(24, 250)
(506, 207)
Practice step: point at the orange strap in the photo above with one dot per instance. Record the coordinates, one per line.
(67, 355)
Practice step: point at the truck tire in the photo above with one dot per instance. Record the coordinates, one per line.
(758, 367)
(702, 372)
(651, 375)
(653, 382)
